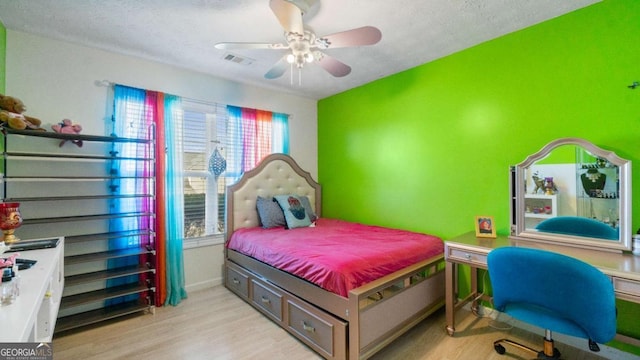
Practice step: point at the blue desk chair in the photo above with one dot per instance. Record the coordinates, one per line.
(554, 292)
(578, 226)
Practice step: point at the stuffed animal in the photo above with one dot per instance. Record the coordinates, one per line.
(12, 104)
(11, 110)
(68, 127)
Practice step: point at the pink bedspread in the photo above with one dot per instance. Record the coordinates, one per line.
(336, 255)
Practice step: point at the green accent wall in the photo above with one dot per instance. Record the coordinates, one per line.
(429, 148)
(3, 56)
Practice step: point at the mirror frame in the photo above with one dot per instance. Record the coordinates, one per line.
(518, 230)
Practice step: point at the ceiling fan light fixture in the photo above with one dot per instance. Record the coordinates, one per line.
(302, 43)
(299, 61)
(308, 57)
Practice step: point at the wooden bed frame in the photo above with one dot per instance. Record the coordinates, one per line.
(335, 327)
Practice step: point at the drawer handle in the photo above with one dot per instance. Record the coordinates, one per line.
(308, 328)
(265, 300)
(236, 281)
(468, 256)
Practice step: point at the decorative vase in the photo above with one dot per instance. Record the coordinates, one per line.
(10, 219)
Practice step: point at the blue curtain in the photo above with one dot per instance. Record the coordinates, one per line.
(280, 133)
(130, 121)
(174, 204)
(136, 112)
(234, 145)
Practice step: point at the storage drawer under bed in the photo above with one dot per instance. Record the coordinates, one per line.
(319, 330)
(267, 298)
(238, 282)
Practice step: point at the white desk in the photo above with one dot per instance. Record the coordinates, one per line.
(32, 315)
(623, 269)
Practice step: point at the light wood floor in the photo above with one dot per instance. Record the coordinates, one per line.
(215, 324)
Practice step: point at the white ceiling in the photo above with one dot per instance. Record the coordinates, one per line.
(183, 32)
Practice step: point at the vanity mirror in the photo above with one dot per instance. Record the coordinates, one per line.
(574, 193)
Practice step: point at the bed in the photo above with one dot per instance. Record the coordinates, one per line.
(339, 315)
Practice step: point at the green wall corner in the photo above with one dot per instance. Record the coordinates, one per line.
(429, 148)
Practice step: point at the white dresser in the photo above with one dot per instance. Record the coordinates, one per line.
(32, 315)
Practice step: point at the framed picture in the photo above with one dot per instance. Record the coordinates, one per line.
(485, 227)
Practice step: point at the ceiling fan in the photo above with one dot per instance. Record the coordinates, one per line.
(302, 43)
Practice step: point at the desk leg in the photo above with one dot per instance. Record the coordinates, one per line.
(449, 293)
(474, 290)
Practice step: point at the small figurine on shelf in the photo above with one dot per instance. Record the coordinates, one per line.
(538, 182)
(68, 127)
(549, 186)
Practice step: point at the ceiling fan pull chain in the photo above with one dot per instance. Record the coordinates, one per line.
(291, 74)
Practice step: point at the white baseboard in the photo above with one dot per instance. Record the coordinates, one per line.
(203, 285)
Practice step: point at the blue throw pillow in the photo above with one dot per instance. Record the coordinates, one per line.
(269, 213)
(294, 212)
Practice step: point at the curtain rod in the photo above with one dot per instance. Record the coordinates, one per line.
(107, 83)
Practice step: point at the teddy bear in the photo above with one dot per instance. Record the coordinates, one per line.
(68, 127)
(11, 109)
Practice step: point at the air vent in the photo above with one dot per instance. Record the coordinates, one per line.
(238, 59)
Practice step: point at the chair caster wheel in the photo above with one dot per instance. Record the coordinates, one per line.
(555, 356)
(499, 349)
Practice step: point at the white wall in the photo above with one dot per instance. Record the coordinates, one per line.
(57, 80)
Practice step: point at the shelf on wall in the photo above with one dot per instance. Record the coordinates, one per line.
(72, 137)
(107, 236)
(103, 294)
(66, 178)
(84, 218)
(95, 316)
(38, 156)
(106, 255)
(44, 173)
(74, 280)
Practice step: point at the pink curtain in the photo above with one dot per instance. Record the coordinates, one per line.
(155, 101)
(263, 132)
(249, 132)
(256, 136)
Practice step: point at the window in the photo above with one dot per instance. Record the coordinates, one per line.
(217, 143)
(240, 136)
(203, 135)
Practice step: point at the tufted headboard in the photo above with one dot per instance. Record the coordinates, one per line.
(276, 174)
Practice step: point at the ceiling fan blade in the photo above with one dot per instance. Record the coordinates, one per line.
(278, 69)
(244, 45)
(366, 35)
(289, 15)
(333, 66)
